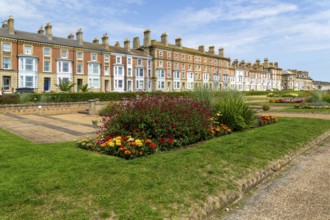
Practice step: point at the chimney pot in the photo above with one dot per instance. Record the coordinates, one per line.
(79, 36)
(221, 52)
(11, 26)
(105, 40)
(41, 30)
(164, 39)
(117, 44)
(96, 40)
(48, 28)
(127, 45)
(147, 38)
(178, 42)
(211, 49)
(136, 42)
(5, 24)
(201, 48)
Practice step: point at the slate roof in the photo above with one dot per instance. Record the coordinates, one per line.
(22, 35)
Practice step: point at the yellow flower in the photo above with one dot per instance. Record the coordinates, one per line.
(111, 144)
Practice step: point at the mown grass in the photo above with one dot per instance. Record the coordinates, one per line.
(60, 181)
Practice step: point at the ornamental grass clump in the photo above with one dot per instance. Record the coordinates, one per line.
(169, 121)
(236, 114)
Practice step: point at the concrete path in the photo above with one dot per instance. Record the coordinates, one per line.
(303, 191)
(49, 128)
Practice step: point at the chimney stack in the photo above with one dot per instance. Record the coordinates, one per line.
(96, 40)
(164, 39)
(79, 36)
(258, 62)
(147, 39)
(266, 62)
(105, 40)
(11, 27)
(221, 52)
(276, 64)
(127, 45)
(178, 42)
(117, 44)
(48, 28)
(41, 30)
(201, 48)
(71, 36)
(5, 24)
(211, 49)
(136, 42)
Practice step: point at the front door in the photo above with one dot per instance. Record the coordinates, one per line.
(129, 85)
(106, 85)
(46, 84)
(79, 84)
(6, 83)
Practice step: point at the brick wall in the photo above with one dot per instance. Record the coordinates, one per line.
(42, 108)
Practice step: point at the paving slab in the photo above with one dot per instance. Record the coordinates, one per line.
(49, 128)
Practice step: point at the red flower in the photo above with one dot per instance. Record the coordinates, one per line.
(170, 141)
(152, 145)
(162, 140)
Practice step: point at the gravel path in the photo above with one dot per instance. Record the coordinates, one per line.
(303, 192)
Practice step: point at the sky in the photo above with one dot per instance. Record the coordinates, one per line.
(294, 33)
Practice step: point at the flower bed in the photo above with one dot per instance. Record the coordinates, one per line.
(316, 105)
(140, 127)
(296, 100)
(266, 119)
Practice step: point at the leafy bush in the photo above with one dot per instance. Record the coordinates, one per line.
(65, 86)
(235, 112)
(9, 99)
(316, 96)
(326, 97)
(265, 107)
(169, 121)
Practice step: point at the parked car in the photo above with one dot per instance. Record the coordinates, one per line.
(24, 90)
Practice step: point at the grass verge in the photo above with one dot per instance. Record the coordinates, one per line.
(60, 181)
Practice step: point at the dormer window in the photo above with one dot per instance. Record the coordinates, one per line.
(94, 57)
(28, 49)
(64, 54)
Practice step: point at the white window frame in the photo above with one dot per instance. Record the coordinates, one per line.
(49, 51)
(107, 70)
(8, 67)
(6, 47)
(139, 62)
(106, 58)
(118, 59)
(82, 68)
(64, 53)
(50, 66)
(28, 49)
(93, 56)
(80, 55)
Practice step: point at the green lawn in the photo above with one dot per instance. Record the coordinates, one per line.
(60, 181)
(301, 110)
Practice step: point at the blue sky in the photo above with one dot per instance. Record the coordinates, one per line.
(294, 33)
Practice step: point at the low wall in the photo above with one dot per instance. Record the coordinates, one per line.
(44, 108)
(95, 106)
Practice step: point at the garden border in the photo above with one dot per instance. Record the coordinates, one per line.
(215, 204)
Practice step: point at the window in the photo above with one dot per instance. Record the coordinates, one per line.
(175, 55)
(118, 59)
(160, 63)
(168, 54)
(139, 72)
(79, 55)
(176, 85)
(182, 57)
(176, 74)
(94, 57)
(79, 68)
(161, 84)
(129, 72)
(6, 47)
(175, 65)
(139, 61)
(94, 82)
(119, 71)
(27, 64)
(118, 84)
(149, 63)
(106, 70)
(189, 58)
(160, 53)
(161, 74)
(94, 68)
(169, 74)
(139, 84)
(46, 51)
(46, 66)
(182, 66)
(168, 64)
(183, 75)
(64, 54)
(129, 61)
(28, 49)
(189, 67)
(64, 67)
(6, 63)
(216, 77)
(106, 58)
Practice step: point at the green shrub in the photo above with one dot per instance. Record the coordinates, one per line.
(9, 99)
(326, 97)
(316, 96)
(202, 94)
(265, 107)
(235, 112)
